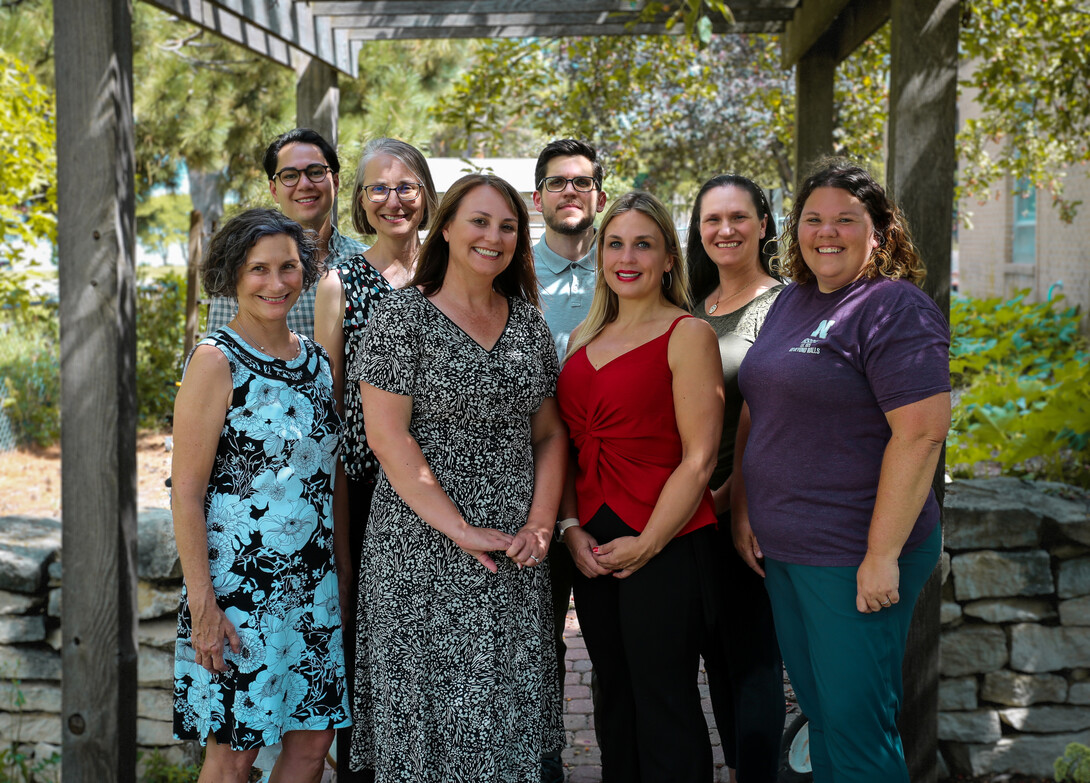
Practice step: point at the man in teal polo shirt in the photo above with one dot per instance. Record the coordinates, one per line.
(569, 195)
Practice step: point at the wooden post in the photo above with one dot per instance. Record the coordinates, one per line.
(96, 240)
(920, 173)
(317, 100)
(814, 106)
(192, 284)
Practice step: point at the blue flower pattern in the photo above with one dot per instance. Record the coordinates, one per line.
(270, 551)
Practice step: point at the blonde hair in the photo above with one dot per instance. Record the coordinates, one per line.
(604, 306)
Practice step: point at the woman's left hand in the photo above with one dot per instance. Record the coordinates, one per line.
(530, 546)
(624, 556)
(876, 583)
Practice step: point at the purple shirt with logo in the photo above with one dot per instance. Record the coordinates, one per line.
(819, 379)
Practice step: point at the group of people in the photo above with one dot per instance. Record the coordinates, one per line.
(395, 465)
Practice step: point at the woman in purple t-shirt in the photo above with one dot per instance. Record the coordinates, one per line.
(847, 392)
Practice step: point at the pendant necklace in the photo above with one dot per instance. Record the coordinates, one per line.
(745, 286)
(258, 345)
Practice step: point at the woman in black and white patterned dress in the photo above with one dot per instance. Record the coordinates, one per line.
(455, 677)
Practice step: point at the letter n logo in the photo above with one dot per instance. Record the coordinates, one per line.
(823, 330)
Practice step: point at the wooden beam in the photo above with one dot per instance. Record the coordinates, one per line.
(317, 102)
(841, 25)
(96, 241)
(774, 8)
(541, 31)
(920, 172)
(813, 107)
(423, 24)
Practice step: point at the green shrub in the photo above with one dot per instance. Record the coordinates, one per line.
(30, 383)
(1074, 765)
(160, 340)
(158, 770)
(1022, 388)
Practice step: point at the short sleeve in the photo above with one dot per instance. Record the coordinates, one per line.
(387, 358)
(547, 348)
(908, 355)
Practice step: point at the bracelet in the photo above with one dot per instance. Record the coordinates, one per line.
(563, 525)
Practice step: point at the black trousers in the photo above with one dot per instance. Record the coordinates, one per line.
(359, 508)
(644, 634)
(745, 672)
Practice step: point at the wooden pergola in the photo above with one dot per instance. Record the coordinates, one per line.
(320, 39)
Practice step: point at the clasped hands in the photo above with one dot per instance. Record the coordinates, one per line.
(527, 547)
(621, 557)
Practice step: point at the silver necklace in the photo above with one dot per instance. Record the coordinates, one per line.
(261, 347)
(745, 286)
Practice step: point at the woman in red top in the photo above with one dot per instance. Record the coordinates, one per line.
(646, 445)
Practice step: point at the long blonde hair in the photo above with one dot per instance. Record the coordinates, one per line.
(604, 306)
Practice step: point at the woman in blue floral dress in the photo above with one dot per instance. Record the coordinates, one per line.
(259, 657)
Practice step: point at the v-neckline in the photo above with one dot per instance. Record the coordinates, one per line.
(669, 330)
(468, 336)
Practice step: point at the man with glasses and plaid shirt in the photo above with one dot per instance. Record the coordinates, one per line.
(304, 175)
(569, 195)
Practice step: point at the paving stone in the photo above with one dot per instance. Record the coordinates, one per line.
(157, 554)
(1026, 754)
(1079, 693)
(1011, 610)
(36, 726)
(1047, 719)
(162, 633)
(1021, 690)
(1037, 648)
(975, 726)
(1073, 579)
(156, 601)
(992, 574)
(957, 694)
(990, 513)
(154, 703)
(972, 650)
(950, 612)
(1075, 611)
(15, 630)
(29, 663)
(36, 697)
(154, 732)
(18, 603)
(155, 668)
(27, 546)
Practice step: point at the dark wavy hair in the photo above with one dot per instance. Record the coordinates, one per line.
(895, 257)
(299, 136)
(566, 148)
(231, 245)
(518, 279)
(703, 275)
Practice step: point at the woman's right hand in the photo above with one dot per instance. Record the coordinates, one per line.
(581, 544)
(479, 541)
(210, 628)
(746, 542)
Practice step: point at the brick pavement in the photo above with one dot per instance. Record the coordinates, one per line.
(582, 759)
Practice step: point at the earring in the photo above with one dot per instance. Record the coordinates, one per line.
(668, 279)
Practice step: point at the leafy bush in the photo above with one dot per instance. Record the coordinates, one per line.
(1074, 765)
(30, 382)
(160, 340)
(157, 769)
(1022, 387)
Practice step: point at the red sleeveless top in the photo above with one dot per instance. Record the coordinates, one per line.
(621, 419)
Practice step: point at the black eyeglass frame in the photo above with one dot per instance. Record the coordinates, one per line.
(300, 173)
(594, 184)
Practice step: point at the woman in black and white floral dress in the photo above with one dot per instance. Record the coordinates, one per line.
(455, 668)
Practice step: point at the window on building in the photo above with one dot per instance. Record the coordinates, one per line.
(1024, 245)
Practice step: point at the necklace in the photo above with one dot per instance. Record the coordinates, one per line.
(259, 346)
(745, 286)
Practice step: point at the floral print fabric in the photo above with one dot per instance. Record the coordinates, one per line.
(455, 666)
(270, 550)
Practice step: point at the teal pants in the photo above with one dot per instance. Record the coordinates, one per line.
(845, 666)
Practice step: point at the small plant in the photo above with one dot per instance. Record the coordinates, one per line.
(1074, 765)
(30, 384)
(160, 338)
(157, 769)
(17, 765)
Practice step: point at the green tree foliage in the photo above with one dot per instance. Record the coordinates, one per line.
(666, 111)
(1022, 377)
(28, 161)
(1028, 66)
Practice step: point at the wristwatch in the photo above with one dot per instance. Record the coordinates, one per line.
(563, 525)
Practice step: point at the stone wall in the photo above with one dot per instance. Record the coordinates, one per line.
(30, 634)
(1015, 649)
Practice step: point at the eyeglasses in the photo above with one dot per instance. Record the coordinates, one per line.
(406, 191)
(289, 177)
(557, 184)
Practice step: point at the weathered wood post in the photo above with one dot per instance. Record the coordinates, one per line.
(192, 281)
(317, 105)
(98, 387)
(920, 174)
